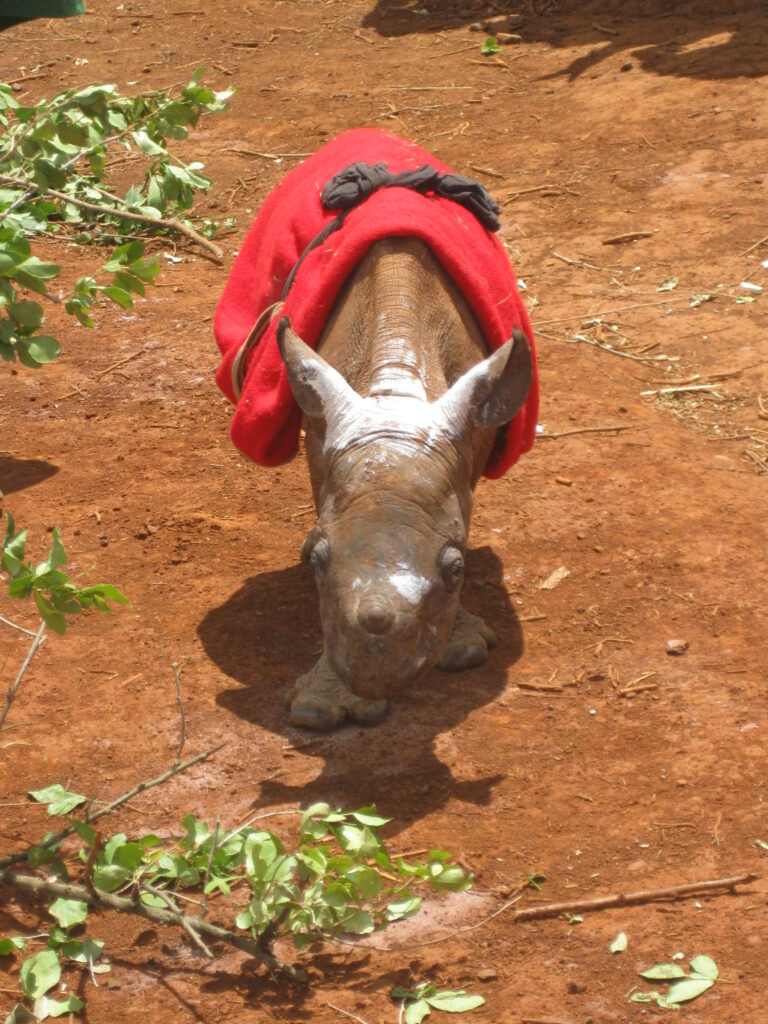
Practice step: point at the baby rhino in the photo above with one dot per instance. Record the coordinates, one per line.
(402, 405)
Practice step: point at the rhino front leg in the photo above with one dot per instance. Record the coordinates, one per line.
(320, 700)
(468, 644)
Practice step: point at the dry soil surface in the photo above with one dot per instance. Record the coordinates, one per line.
(605, 120)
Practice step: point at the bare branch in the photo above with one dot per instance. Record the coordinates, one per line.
(630, 898)
(182, 739)
(207, 876)
(39, 639)
(14, 625)
(181, 918)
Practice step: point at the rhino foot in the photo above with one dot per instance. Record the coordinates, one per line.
(468, 644)
(319, 700)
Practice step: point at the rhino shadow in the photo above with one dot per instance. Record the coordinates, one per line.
(393, 764)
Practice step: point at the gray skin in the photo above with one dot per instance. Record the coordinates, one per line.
(402, 405)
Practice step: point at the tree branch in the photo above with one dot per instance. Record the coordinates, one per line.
(39, 639)
(630, 898)
(128, 905)
(183, 737)
(138, 218)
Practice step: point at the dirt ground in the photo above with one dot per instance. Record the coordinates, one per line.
(606, 119)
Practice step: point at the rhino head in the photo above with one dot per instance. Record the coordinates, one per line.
(392, 478)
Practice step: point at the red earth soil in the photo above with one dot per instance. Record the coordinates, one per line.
(606, 119)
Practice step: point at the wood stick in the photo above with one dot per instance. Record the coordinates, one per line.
(13, 625)
(679, 390)
(605, 312)
(630, 236)
(758, 243)
(138, 218)
(586, 430)
(114, 366)
(633, 898)
(181, 918)
(39, 639)
(127, 905)
(15, 858)
(183, 736)
(346, 1013)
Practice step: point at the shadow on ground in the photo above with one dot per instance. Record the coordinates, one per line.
(708, 39)
(268, 632)
(18, 474)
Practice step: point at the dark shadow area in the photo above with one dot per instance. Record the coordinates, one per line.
(706, 39)
(268, 632)
(18, 474)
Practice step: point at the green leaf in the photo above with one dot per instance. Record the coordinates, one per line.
(684, 989)
(360, 923)
(57, 556)
(33, 267)
(20, 1015)
(58, 623)
(109, 877)
(10, 944)
(619, 944)
(43, 348)
(416, 1012)
(68, 912)
(40, 973)
(59, 800)
(455, 1002)
(402, 908)
(117, 295)
(45, 1007)
(663, 972)
(26, 313)
(146, 145)
(368, 816)
(491, 45)
(705, 967)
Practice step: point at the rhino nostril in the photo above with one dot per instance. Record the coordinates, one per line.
(376, 618)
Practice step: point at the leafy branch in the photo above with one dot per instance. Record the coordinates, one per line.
(53, 173)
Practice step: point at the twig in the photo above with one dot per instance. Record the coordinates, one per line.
(265, 156)
(630, 236)
(755, 246)
(181, 918)
(13, 625)
(555, 190)
(486, 170)
(15, 858)
(139, 218)
(636, 357)
(575, 263)
(680, 390)
(183, 737)
(127, 905)
(39, 639)
(120, 362)
(346, 1013)
(206, 877)
(539, 687)
(586, 430)
(604, 30)
(605, 312)
(630, 898)
(88, 870)
(449, 53)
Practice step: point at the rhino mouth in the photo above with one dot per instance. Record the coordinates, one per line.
(379, 669)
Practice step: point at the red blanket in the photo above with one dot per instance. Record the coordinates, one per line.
(267, 420)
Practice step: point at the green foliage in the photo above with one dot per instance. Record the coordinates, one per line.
(682, 987)
(54, 594)
(52, 159)
(491, 45)
(420, 1002)
(338, 879)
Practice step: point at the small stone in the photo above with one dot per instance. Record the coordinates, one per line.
(475, 27)
(627, 66)
(487, 974)
(677, 646)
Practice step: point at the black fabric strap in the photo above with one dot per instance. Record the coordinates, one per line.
(357, 182)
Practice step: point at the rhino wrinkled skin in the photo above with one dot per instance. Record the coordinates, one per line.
(401, 404)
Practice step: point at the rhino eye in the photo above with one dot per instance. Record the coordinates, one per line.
(321, 555)
(451, 566)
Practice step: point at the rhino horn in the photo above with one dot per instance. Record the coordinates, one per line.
(320, 390)
(494, 391)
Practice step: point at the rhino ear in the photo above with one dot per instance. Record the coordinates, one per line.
(320, 390)
(494, 391)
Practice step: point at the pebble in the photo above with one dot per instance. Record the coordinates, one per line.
(487, 974)
(677, 646)
(507, 38)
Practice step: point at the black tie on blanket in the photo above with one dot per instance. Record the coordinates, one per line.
(355, 183)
